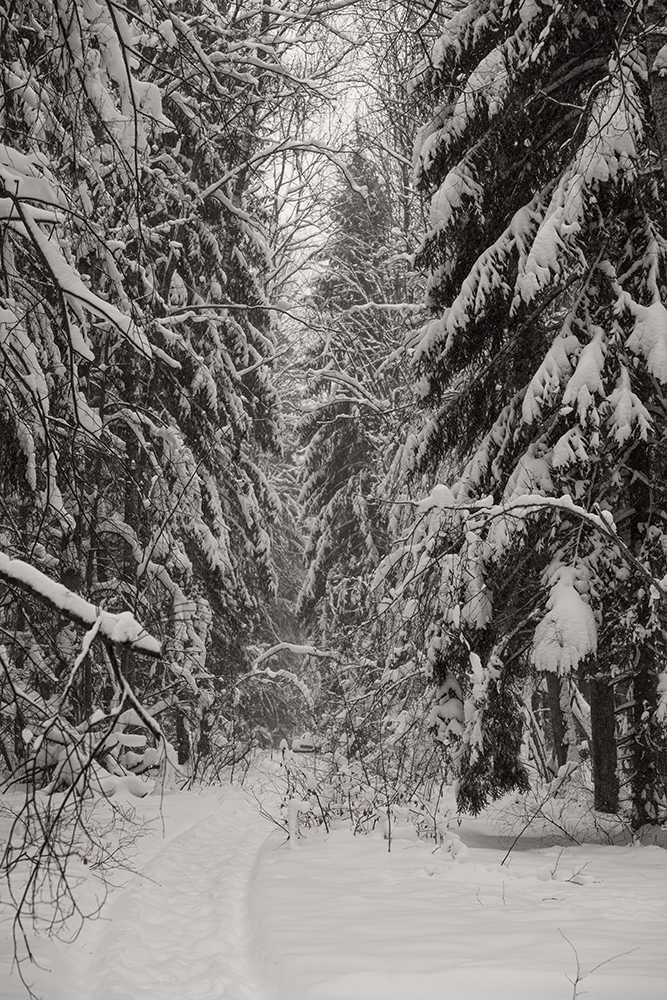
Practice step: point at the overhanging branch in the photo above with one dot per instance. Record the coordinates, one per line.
(119, 629)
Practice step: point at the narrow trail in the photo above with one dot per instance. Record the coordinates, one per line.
(180, 930)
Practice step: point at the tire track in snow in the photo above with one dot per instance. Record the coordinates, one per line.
(181, 929)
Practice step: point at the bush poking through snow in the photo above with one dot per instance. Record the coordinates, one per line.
(59, 850)
(559, 811)
(332, 791)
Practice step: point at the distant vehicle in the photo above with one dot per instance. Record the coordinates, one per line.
(304, 744)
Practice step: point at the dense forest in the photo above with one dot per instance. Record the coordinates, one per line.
(333, 398)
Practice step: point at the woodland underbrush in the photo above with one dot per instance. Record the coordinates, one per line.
(60, 854)
(329, 790)
(562, 812)
(397, 791)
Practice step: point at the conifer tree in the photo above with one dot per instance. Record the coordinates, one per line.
(348, 426)
(543, 375)
(365, 295)
(136, 338)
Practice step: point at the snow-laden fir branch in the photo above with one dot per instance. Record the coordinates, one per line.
(292, 647)
(442, 498)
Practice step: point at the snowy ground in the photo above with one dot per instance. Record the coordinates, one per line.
(221, 906)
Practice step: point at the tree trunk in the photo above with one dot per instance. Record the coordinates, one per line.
(558, 726)
(131, 499)
(655, 16)
(571, 739)
(644, 770)
(645, 744)
(182, 738)
(603, 743)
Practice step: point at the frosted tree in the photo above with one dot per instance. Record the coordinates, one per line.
(364, 294)
(137, 339)
(347, 426)
(542, 375)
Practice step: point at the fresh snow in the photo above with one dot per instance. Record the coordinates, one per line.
(568, 632)
(217, 903)
(120, 628)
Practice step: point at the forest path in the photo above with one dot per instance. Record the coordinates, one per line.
(179, 929)
(219, 906)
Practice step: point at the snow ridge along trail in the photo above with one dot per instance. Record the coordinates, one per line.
(180, 930)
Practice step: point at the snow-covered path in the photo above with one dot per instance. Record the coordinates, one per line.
(221, 907)
(180, 929)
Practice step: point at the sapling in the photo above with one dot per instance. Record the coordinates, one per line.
(580, 974)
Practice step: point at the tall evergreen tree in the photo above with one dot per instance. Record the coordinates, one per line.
(352, 419)
(366, 294)
(543, 375)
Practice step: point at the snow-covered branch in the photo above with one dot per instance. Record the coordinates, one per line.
(520, 506)
(292, 647)
(120, 629)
